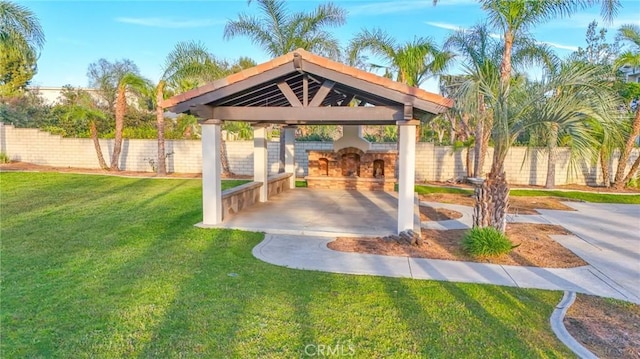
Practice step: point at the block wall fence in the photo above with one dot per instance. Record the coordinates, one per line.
(433, 163)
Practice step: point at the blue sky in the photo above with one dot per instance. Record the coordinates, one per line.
(81, 32)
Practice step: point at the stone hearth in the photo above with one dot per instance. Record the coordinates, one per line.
(352, 168)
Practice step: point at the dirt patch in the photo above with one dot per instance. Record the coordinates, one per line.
(30, 167)
(610, 329)
(535, 248)
(438, 214)
(517, 205)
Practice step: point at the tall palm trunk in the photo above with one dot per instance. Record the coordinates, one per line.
(497, 186)
(162, 163)
(224, 159)
(604, 166)
(619, 179)
(552, 147)
(632, 171)
(282, 151)
(121, 107)
(96, 144)
(482, 133)
(478, 159)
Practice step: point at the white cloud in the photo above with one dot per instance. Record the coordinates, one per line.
(445, 26)
(389, 7)
(168, 22)
(453, 27)
(560, 46)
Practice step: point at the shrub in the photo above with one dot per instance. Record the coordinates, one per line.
(4, 158)
(487, 241)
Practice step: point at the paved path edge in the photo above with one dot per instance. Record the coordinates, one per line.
(557, 325)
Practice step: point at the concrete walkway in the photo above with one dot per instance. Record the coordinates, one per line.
(301, 222)
(311, 253)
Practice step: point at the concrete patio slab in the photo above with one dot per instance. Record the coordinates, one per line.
(318, 212)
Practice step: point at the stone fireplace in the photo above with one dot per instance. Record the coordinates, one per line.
(352, 165)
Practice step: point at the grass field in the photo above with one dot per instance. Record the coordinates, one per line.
(106, 267)
(572, 195)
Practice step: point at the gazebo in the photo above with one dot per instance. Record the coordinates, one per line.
(301, 88)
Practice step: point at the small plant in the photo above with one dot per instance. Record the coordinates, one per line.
(4, 158)
(634, 182)
(485, 242)
(152, 163)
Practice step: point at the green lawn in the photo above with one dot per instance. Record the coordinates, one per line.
(107, 267)
(573, 195)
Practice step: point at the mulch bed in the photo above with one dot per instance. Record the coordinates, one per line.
(535, 248)
(610, 329)
(517, 205)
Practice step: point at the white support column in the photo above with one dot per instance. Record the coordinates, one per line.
(260, 158)
(406, 174)
(211, 168)
(290, 154)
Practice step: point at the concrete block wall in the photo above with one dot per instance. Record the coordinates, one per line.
(433, 163)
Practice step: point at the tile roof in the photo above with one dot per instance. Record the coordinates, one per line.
(317, 60)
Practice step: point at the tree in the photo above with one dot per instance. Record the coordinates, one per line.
(279, 31)
(21, 38)
(481, 54)
(514, 18)
(631, 57)
(598, 50)
(188, 65)
(412, 62)
(128, 82)
(572, 107)
(105, 76)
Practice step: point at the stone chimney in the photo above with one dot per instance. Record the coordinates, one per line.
(351, 137)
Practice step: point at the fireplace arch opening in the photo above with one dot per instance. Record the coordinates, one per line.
(350, 165)
(378, 168)
(323, 166)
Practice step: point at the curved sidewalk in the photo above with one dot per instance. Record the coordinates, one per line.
(311, 253)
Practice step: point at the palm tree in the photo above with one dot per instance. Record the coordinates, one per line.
(572, 106)
(21, 37)
(188, 65)
(631, 57)
(412, 62)
(279, 31)
(514, 18)
(481, 54)
(82, 112)
(126, 84)
(20, 29)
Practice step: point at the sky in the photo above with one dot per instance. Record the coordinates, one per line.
(81, 32)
